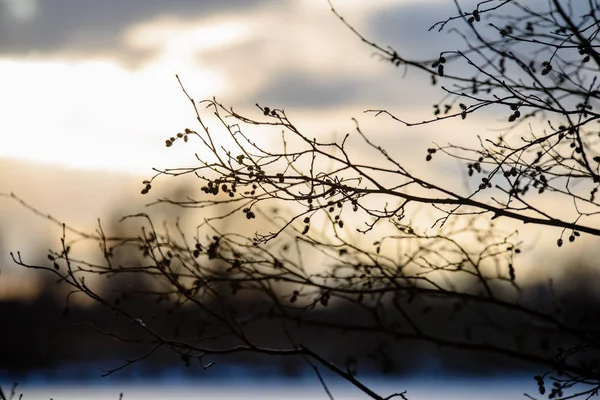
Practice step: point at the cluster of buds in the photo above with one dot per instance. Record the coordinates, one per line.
(540, 183)
(476, 166)
(219, 185)
(249, 213)
(147, 187)
(511, 172)
(430, 153)
(572, 238)
(546, 67)
(294, 297)
(437, 111)
(516, 113)
(439, 64)
(169, 142)
(267, 111)
(585, 50)
(476, 17)
(540, 382)
(197, 250)
(485, 183)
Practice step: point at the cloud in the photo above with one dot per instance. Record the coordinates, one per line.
(298, 89)
(405, 28)
(84, 28)
(302, 90)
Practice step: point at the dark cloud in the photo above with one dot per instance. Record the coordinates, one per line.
(405, 28)
(299, 89)
(88, 27)
(304, 90)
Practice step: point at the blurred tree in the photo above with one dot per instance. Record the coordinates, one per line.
(333, 232)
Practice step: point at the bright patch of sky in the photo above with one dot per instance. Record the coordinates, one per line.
(22, 10)
(99, 114)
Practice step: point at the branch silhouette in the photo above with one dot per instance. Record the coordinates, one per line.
(314, 207)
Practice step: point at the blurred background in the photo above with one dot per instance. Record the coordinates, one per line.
(88, 96)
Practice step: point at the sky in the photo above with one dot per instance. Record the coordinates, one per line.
(92, 84)
(88, 91)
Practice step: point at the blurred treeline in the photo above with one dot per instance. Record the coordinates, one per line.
(39, 335)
